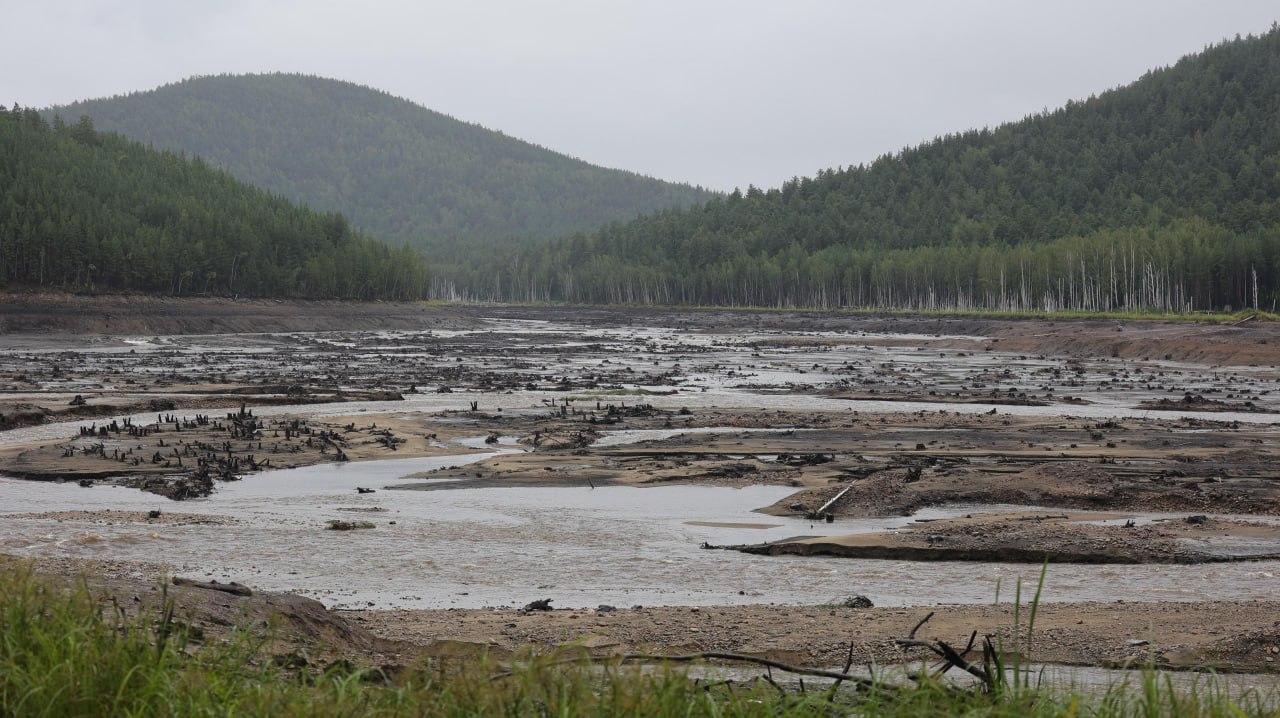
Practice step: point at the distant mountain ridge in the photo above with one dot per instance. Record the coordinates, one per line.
(398, 170)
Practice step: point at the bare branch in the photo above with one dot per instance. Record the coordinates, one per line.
(722, 656)
(918, 625)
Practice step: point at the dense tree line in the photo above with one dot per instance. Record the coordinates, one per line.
(81, 209)
(1161, 194)
(400, 171)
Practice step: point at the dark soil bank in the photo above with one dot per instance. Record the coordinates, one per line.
(1253, 342)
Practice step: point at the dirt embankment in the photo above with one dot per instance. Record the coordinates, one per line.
(1195, 402)
(1229, 636)
(297, 632)
(140, 315)
(1070, 484)
(1060, 538)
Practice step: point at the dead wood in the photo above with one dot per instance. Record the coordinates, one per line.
(236, 589)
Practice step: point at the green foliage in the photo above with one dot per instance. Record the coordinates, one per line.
(85, 210)
(63, 653)
(1164, 194)
(398, 170)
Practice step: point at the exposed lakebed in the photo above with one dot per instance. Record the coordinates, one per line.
(634, 537)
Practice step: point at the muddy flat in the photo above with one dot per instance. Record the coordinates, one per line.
(498, 455)
(1226, 635)
(1057, 539)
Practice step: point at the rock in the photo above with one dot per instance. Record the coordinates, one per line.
(1197, 519)
(340, 525)
(605, 608)
(857, 601)
(542, 604)
(813, 459)
(291, 660)
(233, 588)
(177, 489)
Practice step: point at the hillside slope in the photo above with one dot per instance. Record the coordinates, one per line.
(85, 210)
(398, 170)
(1163, 193)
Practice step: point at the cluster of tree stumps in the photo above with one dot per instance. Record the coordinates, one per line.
(183, 457)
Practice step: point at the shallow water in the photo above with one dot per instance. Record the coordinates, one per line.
(581, 547)
(1262, 688)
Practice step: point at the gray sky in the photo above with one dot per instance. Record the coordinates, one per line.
(721, 93)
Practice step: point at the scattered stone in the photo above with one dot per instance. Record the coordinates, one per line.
(542, 604)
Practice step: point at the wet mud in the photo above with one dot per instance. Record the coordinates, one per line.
(843, 452)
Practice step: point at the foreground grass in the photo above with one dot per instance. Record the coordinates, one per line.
(62, 653)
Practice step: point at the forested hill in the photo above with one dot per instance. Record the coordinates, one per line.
(398, 170)
(1164, 193)
(81, 209)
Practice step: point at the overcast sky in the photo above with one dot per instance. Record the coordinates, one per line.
(719, 93)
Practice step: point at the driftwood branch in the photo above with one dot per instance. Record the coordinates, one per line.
(918, 625)
(950, 656)
(848, 664)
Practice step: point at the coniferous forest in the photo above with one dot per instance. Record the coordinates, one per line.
(1164, 194)
(85, 210)
(1160, 195)
(397, 170)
